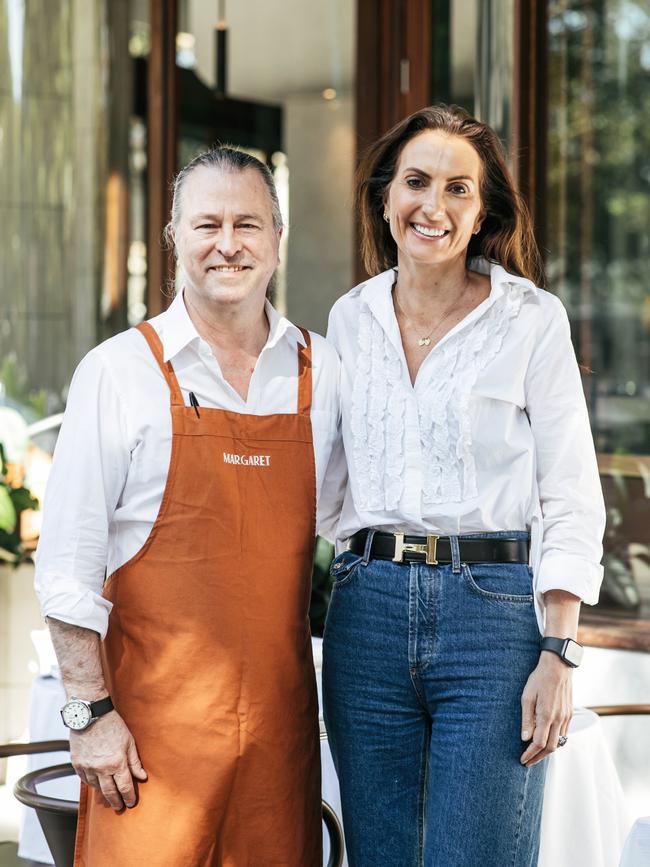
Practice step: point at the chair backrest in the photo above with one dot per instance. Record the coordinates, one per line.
(621, 709)
(57, 817)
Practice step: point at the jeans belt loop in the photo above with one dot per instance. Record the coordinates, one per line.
(455, 554)
(368, 546)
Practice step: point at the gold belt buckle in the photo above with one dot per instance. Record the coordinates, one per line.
(429, 550)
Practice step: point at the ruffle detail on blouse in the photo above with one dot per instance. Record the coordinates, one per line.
(448, 465)
(378, 409)
(377, 418)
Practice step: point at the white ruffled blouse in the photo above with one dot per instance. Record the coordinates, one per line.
(493, 436)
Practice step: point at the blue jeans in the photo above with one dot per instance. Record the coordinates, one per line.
(423, 670)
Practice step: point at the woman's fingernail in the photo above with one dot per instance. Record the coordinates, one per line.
(525, 735)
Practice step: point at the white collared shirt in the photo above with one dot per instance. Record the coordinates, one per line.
(493, 436)
(113, 450)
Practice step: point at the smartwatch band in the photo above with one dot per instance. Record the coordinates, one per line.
(560, 647)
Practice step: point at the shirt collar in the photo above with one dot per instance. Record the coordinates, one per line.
(376, 292)
(499, 277)
(280, 326)
(176, 330)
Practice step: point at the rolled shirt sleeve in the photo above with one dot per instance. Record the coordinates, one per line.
(335, 477)
(90, 466)
(332, 491)
(571, 499)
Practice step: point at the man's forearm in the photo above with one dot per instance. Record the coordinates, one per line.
(77, 652)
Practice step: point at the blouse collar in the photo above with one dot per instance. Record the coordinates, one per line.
(376, 293)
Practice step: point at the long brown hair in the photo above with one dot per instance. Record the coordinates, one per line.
(506, 235)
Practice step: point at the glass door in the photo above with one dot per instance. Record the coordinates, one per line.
(597, 231)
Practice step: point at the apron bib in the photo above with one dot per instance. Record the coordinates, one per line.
(208, 652)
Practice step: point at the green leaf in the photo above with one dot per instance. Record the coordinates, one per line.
(23, 499)
(7, 511)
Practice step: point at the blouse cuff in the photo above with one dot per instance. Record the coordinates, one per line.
(559, 571)
(72, 602)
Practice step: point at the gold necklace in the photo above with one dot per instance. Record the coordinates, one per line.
(425, 340)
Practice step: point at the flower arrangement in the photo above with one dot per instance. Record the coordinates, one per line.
(14, 499)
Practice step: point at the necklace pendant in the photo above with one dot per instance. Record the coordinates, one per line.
(424, 341)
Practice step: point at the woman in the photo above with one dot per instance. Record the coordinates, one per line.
(470, 457)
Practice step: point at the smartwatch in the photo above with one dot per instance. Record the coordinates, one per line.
(569, 651)
(77, 714)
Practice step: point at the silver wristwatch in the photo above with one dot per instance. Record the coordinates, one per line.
(77, 714)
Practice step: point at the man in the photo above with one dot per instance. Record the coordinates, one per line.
(187, 470)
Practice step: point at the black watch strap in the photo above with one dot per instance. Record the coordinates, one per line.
(559, 646)
(100, 707)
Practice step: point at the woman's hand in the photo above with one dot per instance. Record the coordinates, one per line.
(546, 707)
(547, 699)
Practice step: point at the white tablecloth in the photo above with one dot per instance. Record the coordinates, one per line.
(45, 724)
(584, 820)
(330, 782)
(636, 852)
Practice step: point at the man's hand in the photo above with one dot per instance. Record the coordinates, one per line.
(546, 707)
(105, 756)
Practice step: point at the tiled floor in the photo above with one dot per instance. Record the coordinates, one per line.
(9, 857)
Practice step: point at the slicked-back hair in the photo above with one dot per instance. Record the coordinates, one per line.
(223, 159)
(506, 234)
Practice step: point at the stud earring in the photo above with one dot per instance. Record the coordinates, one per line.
(386, 217)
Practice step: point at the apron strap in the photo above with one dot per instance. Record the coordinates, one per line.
(156, 347)
(304, 375)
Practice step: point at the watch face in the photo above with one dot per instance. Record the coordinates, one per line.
(573, 652)
(76, 715)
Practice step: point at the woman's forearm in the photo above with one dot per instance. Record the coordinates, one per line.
(562, 613)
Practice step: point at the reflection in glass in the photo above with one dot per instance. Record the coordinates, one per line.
(472, 59)
(599, 254)
(493, 74)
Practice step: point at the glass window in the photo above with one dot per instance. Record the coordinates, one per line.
(472, 58)
(597, 219)
(71, 150)
(72, 206)
(283, 90)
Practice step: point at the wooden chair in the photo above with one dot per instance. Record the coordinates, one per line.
(621, 709)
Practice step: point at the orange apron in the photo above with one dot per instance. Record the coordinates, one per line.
(208, 652)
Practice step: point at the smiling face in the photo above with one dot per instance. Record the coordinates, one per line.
(433, 201)
(226, 243)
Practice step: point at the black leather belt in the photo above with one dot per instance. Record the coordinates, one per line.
(437, 549)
